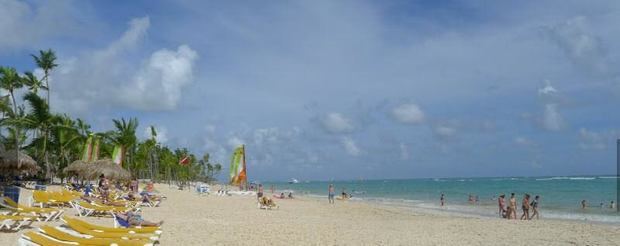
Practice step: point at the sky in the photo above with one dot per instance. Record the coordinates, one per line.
(323, 90)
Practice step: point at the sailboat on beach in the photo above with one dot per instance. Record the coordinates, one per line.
(238, 173)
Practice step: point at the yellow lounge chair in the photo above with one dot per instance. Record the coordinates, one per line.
(86, 209)
(46, 214)
(15, 222)
(144, 230)
(87, 240)
(103, 234)
(35, 238)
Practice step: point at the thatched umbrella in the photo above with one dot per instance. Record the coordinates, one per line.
(13, 162)
(79, 168)
(108, 168)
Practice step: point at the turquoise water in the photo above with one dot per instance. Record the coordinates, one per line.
(560, 196)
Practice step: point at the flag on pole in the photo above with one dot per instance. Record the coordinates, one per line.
(184, 161)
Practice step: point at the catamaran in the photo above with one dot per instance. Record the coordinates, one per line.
(238, 170)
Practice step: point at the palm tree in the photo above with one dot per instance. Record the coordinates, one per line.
(46, 61)
(40, 119)
(33, 83)
(125, 136)
(11, 81)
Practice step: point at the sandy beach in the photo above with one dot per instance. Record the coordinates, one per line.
(191, 219)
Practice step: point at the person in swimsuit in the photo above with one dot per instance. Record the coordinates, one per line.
(502, 206)
(583, 204)
(259, 194)
(512, 207)
(534, 206)
(525, 205)
(330, 195)
(442, 200)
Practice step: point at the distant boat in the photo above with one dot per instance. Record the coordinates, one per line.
(293, 181)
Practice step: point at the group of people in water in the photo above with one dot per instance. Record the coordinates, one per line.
(584, 205)
(508, 211)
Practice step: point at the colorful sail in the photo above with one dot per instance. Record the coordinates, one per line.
(117, 155)
(88, 149)
(95, 153)
(237, 167)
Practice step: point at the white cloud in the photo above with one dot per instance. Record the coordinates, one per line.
(162, 133)
(350, 146)
(337, 123)
(552, 119)
(523, 141)
(25, 25)
(597, 140)
(445, 131)
(116, 76)
(547, 89)
(235, 142)
(408, 114)
(404, 152)
(158, 85)
(580, 44)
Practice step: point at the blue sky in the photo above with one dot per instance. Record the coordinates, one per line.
(342, 89)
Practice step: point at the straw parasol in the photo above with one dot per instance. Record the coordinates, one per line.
(108, 168)
(16, 162)
(79, 168)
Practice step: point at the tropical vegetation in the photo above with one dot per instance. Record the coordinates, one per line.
(55, 140)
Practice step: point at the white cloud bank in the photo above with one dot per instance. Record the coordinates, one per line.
(350, 146)
(158, 84)
(408, 114)
(337, 123)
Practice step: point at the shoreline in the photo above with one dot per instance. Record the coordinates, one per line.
(192, 219)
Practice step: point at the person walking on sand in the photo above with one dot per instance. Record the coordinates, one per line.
(331, 193)
(502, 206)
(442, 200)
(525, 205)
(534, 206)
(513, 207)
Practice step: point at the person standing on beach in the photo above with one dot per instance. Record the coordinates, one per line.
(331, 193)
(512, 207)
(442, 200)
(502, 206)
(259, 194)
(525, 205)
(583, 204)
(534, 206)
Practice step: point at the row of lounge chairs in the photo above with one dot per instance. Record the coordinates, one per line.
(78, 232)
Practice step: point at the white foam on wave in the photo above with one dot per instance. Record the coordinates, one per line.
(608, 177)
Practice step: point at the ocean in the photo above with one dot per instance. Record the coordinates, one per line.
(560, 196)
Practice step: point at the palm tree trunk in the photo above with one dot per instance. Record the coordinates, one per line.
(16, 127)
(47, 164)
(48, 89)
